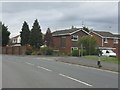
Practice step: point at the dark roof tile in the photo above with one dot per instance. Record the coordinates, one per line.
(104, 34)
(66, 31)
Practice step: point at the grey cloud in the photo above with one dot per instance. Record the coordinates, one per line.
(98, 15)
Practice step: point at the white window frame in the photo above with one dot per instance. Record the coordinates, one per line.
(105, 40)
(76, 36)
(115, 41)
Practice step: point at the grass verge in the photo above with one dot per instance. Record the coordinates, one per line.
(103, 58)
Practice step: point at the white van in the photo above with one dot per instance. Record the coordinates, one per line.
(108, 53)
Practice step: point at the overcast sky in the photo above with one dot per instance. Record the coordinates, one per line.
(101, 16)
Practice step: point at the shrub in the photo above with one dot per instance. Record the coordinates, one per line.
(75, 52)
(28, 52)
(83, 52)
(36, 53)
(47, 51)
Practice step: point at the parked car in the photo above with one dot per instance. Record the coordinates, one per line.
(108, 53)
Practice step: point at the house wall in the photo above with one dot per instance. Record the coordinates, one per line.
(110, 44)
(16, 40)
(98, 39)
(57, 44)
(80, 34)
(19, 39)
(69, 43)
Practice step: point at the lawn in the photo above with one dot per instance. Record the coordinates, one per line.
(103, 58)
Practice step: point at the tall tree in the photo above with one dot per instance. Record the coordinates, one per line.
(86, 29)
(25, 34)
(5, 35)
(48, 38)
(36, 35)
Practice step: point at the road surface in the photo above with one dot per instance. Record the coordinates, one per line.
(45, 72)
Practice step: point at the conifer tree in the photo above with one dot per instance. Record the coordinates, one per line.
(25, 34)
(5, 35)
(36, 35)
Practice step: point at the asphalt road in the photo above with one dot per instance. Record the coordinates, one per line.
(45, 72)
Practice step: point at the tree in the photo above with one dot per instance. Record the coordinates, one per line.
(25, 34)
(48, 38)
(5, 35)
(36, 35)
(88, 44)
(86, 29)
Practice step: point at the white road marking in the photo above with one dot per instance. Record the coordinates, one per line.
(76, 80)
(29, 63)
(44, 68)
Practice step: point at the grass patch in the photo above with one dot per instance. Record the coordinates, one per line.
(103, 58)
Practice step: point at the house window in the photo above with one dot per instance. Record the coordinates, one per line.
(14, 40)
(74, 38)
(105, 40)
(115, 41)
(63, 42)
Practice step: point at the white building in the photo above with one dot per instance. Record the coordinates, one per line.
(15, 41)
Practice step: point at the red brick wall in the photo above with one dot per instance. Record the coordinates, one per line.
(69, 42)
(57, 44)
(110, 44)
(98, 39)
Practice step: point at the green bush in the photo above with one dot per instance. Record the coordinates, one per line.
(83, 52)
(47, 51)
(36, 53)
(75, 52)
(28, 52)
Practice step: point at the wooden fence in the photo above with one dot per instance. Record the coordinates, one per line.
(14, 50)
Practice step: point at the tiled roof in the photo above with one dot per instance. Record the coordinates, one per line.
(105, 34)
(117, 35)
(65, 32)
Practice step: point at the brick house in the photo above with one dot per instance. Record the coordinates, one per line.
(66, 40)
(107, 40)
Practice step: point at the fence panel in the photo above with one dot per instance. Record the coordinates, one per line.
(15, 50)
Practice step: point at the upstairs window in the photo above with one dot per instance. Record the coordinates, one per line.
(115, 41)
(74, 38)
(14, 41)
(105, 40)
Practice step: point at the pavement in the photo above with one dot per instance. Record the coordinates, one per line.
(89, 63)
(45, 72)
